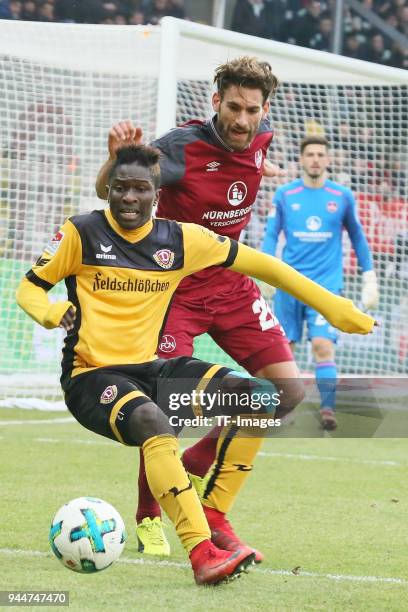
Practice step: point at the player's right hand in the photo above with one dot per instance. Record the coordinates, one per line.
(68, 320)
(123, 134)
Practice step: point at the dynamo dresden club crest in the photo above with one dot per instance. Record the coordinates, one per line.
(109, 394)
(164, 258)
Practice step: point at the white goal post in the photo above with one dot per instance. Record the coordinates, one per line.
(63, 85)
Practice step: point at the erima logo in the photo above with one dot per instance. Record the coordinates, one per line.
(105, 252)
(320, 320)
(295, 206)
(212, 166)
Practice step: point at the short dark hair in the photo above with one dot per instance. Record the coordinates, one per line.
(145, 156)
(314, 139)
(248, 72)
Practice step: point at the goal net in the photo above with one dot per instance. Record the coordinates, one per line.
(63, 85)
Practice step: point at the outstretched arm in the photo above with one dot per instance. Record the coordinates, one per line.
(203, 248)
(122, 134)
(339, 311)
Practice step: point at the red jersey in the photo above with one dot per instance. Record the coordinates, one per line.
(206, 182)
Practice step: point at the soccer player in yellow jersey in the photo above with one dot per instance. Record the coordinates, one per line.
(121, 269)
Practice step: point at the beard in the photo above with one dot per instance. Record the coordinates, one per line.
(238, 141)
(315, 174)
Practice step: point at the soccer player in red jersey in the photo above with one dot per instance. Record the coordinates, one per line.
(211, 172)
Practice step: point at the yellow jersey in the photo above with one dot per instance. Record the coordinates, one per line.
(121, 282)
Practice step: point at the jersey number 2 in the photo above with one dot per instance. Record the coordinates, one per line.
(266, 317)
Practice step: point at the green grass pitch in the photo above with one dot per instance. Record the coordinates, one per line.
(330, 515)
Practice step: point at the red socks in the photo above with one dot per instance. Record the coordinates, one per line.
(214, 517)
(199, 458)
(147, 506)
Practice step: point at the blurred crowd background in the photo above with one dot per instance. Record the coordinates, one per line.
(308, 23)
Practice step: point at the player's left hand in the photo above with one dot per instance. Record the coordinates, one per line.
(350, 319)
(369, 292)
(272, 170)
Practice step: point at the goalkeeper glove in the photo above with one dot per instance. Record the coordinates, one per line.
(267, 290)
(369, 292)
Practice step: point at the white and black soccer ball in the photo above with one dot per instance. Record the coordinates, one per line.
(87, 535)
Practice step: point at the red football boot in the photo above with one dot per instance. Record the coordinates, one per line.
(212, 565)
(223, 535)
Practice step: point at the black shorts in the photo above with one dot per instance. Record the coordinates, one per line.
(103, 399)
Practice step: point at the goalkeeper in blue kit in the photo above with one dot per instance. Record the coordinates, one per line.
(312, 211)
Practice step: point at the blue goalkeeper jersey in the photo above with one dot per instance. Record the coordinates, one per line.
(312, 221)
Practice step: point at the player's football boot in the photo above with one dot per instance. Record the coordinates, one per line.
(212, 565)
(328, 419)
(151, 538)
(199, 483)
(223, 535)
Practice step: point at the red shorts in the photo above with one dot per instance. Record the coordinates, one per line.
(239, 320)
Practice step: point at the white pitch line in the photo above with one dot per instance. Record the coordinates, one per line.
(79, 441)
(302, 457)
(298, 457)
(182, 565)
(40, 422)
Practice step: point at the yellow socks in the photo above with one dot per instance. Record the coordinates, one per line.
(170, 485)
(236, 451)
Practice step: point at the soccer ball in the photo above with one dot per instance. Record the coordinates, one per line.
(87, 535)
